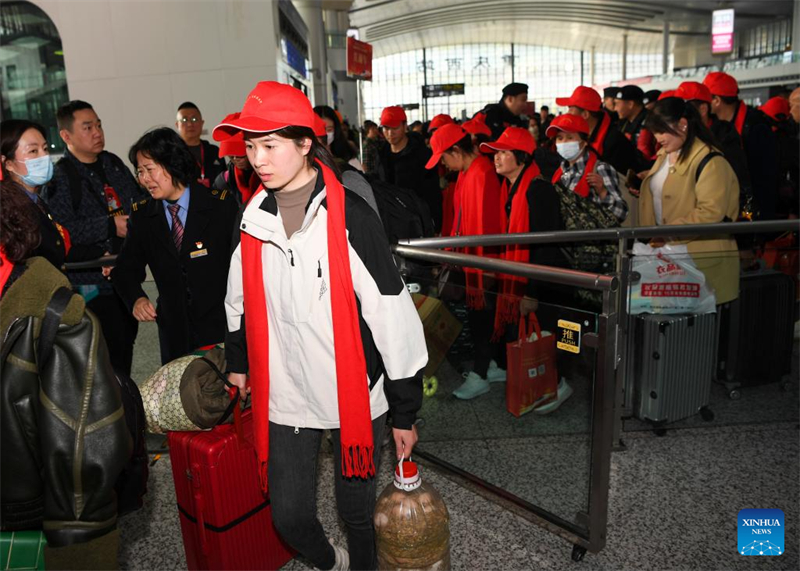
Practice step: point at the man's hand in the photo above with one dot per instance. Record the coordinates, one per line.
(596, 182)
(239, 380)
(121, 222)
(107, 269)
(404, 441)
(143, 310)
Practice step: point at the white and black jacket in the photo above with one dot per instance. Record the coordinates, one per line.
(301, 351)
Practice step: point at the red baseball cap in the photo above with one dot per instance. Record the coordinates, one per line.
(693, 91)
(775, 107)
(232, 146)
(568, 123)
(583, 97)
(393, 116)
(440, 121)
(667, 93)
(512, 139)
(721, 84)
(319, 126)
(269, 107)
(477, 126)
(444, 138)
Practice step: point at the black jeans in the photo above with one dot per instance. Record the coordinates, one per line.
(119, 329)
(292, 476)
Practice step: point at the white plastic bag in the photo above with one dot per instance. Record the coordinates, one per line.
(670, 282)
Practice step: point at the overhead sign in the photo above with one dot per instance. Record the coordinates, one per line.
(442, 90)
(722, 31)
(359, 59)
(410, 106)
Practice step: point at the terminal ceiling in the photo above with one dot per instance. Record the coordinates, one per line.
(394, 26)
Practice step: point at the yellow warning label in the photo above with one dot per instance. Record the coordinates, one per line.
(569, 336)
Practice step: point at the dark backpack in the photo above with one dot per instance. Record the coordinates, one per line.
(74, 180)
(403, 213)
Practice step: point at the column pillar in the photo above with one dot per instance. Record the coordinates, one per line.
(311, 12)
(624, 56)
(665, 53)
(337, 22)
(592, 66)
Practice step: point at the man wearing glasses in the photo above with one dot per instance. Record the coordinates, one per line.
(91, 194)
(189, 124)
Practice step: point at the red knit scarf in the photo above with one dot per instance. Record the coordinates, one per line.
(477, 197)
(5, 270)
(741, 113)
(582, 188)
(351, 370)
(600, 139)
(247, 182)
(512, 288)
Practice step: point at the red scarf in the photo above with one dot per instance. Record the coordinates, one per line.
(477, 198)
(598, 141)
(351, 370)
(512, 288)
(582, 188)
(5, 269)
(741, 113)
(248, 185)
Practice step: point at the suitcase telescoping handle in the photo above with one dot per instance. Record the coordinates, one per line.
(533, 325)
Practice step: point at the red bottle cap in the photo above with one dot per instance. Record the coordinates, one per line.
(409, 478)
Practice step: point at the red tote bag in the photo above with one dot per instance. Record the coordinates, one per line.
(532, 378)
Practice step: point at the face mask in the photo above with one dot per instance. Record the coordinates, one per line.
(40, 171)
(329, 137)
(568, 151)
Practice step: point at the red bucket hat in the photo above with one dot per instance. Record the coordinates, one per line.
(722, 84)
(693, 91)
(444, 138)
(440, 121)
(583, 97)
(512, 139)
(568, 123)
(269, 107)
(319, 126)
(393, 116)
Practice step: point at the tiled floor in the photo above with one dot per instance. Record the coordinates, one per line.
(673, 500)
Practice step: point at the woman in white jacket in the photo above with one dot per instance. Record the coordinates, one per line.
(320, 321)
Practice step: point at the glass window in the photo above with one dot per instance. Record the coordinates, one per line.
(32, 61)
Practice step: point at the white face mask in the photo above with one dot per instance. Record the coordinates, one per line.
(569, 151)
(329, 138)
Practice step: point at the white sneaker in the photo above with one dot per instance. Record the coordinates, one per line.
(495, 374)
(473, 386)
(564, 392)
(342, 558)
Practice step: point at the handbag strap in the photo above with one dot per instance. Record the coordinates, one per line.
(52, 318)
(233, 391)
(533, 325)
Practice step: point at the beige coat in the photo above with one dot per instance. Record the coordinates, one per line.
(713, 198)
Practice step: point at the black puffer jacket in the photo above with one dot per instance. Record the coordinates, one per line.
(64, 437)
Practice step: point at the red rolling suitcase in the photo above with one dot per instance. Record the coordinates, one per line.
(225, 519)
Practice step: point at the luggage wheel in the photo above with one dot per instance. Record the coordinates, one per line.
(578, 552)
(660, 431)
(430, 385)
(707, 414)
(734, 394)
(786, 385)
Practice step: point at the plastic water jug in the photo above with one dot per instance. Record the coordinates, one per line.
(412, 525)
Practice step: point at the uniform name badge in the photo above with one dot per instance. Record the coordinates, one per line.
(199, 252)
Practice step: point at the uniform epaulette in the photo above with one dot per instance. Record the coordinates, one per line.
(136, 205)
(219, 194)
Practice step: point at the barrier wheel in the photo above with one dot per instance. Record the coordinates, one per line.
(706, 414)
(735, 394)
(660, 432)
(430, 385)
(578, 552)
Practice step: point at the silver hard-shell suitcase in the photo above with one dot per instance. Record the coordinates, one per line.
(674, 365)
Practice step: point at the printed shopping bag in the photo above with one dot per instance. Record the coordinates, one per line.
(532, 378)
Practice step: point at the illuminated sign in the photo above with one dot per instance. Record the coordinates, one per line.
(722, 31)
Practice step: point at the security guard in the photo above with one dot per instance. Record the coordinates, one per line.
(508, 111)
(183, 233)
(629, 104)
